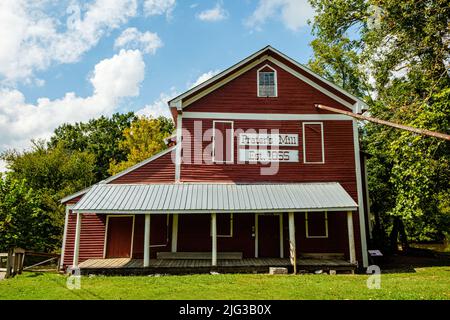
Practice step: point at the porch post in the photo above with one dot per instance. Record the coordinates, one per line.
(281, 237)
(292, 246)
(147, 241)
(214, 238)
(66, 222)
(351, 237)
(76, 250)
(256, 236)
(174, 232)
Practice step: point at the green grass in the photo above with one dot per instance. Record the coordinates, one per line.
(425, 283)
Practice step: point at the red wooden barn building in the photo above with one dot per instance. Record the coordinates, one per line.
(254, 176)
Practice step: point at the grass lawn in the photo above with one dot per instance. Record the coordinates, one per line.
(425, 283)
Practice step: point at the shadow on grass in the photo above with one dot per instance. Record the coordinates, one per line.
(33, 274)
(407, 263)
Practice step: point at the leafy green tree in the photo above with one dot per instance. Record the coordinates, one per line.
(38, 179)
(142, 140)
(396, 55)
(100, 136)
(58, 171)
(22, 221)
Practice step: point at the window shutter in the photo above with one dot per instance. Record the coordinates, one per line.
(312, 143)
(223, 142)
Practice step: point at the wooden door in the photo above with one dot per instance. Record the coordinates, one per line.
(268, 236)
(119, 237)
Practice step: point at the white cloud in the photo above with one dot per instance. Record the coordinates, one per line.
(31, 39)
(112, 79)
(159, 107)
(203, 77)
(217, 13)
(119, 76)
(132, 38)
(159, 7)
(293, 13)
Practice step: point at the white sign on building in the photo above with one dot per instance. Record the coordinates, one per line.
(268, 139)
(268, 155)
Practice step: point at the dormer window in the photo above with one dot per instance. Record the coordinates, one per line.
(267, 82)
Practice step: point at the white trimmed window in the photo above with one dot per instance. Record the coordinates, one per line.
(223, 142)
(316, 224)
(224, 225)
(267, 82)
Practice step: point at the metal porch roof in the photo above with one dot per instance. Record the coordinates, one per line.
(208, 197)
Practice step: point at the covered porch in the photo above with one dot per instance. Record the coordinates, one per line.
(246, 202)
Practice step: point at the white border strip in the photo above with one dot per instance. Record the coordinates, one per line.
(66, 224)
(362, 220)
(179, 211)
(264, 116)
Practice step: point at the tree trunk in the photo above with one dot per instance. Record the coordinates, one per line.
(393, 237)
(398, 233)
(402, 235)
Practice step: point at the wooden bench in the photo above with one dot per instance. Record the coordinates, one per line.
(198, 255)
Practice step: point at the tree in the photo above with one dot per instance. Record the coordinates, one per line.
(100, 136)
(399, 51)
(32, 215)
(58, 171)
(22, 221)
(143, 139)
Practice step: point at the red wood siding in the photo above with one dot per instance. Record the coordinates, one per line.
(240, 95)
(92, 237)
(161, 169)
(339, 163)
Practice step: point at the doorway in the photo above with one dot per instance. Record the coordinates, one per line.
(269, 233)
(119, 236)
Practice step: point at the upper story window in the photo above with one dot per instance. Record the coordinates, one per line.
(267, 82)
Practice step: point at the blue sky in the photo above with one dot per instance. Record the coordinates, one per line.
(68, 61)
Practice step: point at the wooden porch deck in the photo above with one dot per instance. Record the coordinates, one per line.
(189, 266)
